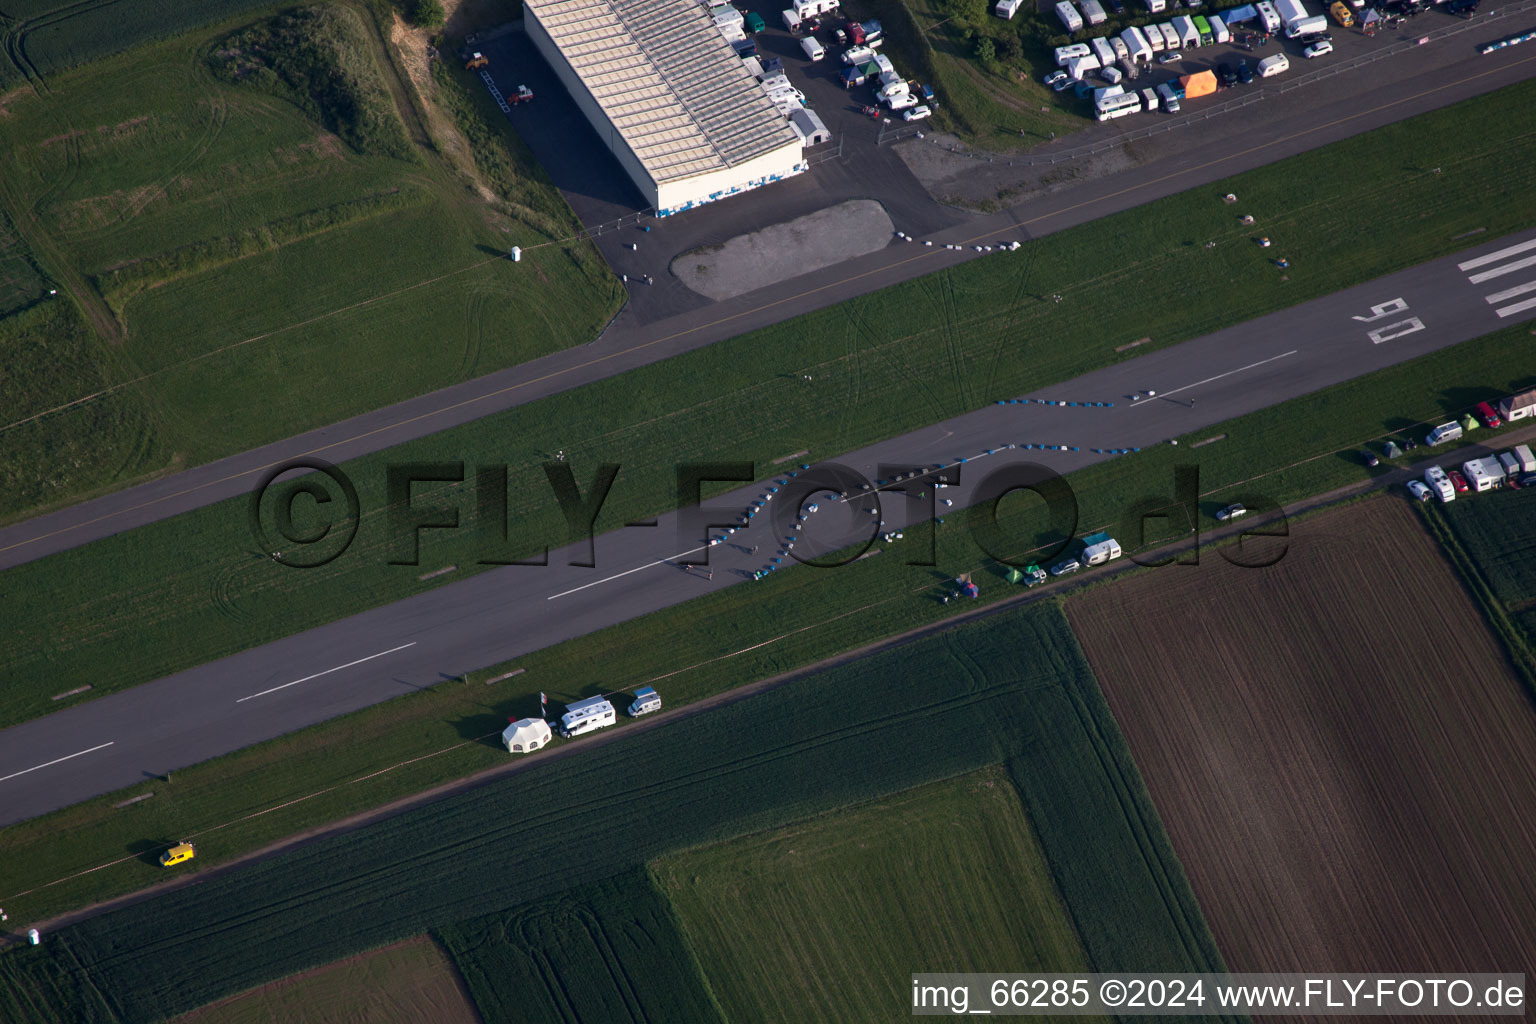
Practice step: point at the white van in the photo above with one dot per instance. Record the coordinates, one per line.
(1269, 67)
(1306, 26)
(1440, 483)
(1170, 101)
(1444, 432)
(813, 49)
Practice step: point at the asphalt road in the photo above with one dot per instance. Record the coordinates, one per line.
(499, 615)
(1336, 109)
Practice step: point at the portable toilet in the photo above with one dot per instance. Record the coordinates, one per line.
(646, 700)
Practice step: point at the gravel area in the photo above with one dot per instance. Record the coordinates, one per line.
(782, 251)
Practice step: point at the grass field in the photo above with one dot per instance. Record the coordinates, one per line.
(824, 914)
(609, 952)
(942, 344)
(253, 238)
(715, 643)
(1014, 688)
(405, 983)
(1335, 743)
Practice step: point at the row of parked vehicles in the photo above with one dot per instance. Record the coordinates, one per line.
(1513, 468)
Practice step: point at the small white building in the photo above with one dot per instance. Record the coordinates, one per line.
(1483, 474)
(526, 735)
(809, 127)
(1518, 407)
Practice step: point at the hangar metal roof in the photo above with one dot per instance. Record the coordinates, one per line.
(667, 80)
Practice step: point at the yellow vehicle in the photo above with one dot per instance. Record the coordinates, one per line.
(1342, 14)
(479, 60)
(178, 854)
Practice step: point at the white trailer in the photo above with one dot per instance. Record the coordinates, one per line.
(1289, 10)
(1269, 16)
(1219, 28)
(587, 716)
(811, 8)
(1527, 461)
(1103, 551)
(1069, 16)
(1092, 12)
(1006, 9)
(1273, 65)
(1157, 6)
(1189, 36)
(1122, 52)
(1137, 43)
(1149, 99)
(1483, 474)
(1170, 37)
(1065, 54)
(1103, 50)
(1154, 38)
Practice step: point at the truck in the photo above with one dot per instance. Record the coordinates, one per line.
(646, 700)
(1099, 548)
(1438, 482)
(1444, 432)
(586, 716)
(1171, 92)
(1483, 474)
(1303, 27)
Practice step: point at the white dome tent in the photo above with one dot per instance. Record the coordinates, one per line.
(526, 735)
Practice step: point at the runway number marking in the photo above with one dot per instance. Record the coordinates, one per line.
(1391, 331)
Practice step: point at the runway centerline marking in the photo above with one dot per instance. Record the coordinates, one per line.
(58, 760)
(327, 672)
(1229, 373)
(626, 572)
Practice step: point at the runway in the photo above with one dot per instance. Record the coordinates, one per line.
(505, 613)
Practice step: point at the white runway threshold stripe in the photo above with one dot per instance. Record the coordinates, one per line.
(1519, 307)
(327, 672)
(1494, 257)
(59, 760)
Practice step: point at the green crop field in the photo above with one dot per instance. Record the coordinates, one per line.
(253, 237)
(1014, 688)
(1498, 530)
(256, 796)
(612, 951)
(829, 914)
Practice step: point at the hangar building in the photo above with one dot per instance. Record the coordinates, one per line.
(668, 96)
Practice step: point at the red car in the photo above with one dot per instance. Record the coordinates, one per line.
(1458, 481)
(1486, 413)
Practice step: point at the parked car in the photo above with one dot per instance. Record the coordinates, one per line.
(1232, 511)
(1318, 49)
(1057, 79)
(1486, 413)
(1370, 459)
(1458, 481)
(917, 113)
(1244, 73)
(1227, 75)
(1529, 480)
(1418, 490)
(1062, 568)
(1172, 56)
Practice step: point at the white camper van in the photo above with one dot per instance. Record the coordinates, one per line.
(587, 716)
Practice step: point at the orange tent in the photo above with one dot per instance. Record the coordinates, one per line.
(1201, 84)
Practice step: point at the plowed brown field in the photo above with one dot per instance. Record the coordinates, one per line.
(1338, 748)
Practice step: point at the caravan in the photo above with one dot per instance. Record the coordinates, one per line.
(1099, 548)
(587, 716)
(1069, 16)
(1092, 11)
